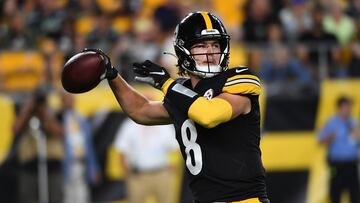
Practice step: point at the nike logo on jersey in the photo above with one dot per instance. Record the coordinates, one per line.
(157, 73)
(241, 70)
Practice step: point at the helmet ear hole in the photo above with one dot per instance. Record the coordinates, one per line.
(195, 27)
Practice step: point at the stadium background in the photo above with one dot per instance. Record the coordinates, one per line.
(38, 36)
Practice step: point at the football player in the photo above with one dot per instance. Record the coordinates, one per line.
(215, 111)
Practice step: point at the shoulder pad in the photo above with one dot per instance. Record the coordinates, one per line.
(181, 80)
(242, 81)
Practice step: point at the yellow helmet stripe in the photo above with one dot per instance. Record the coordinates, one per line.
(206, 17)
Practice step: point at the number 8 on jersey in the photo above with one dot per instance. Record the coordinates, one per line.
(189, 136)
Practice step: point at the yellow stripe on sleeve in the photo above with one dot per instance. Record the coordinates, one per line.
(243, 88)
(166, 85)
(210, 113)
(243, 77)
(206, 17)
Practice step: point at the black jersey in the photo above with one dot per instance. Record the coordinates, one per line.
(223, 163)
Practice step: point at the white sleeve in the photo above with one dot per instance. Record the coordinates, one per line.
(122, 137)
(169, 131)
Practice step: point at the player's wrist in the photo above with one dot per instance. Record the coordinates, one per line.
(111, 73)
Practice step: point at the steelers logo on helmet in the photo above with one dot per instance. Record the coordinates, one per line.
(196, 28)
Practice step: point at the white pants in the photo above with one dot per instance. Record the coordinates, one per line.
(76, 188)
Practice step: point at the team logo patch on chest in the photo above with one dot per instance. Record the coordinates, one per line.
(209, 94)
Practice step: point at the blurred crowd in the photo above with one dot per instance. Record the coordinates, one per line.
(300, 42)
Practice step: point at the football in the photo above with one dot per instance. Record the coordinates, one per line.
(82, 72)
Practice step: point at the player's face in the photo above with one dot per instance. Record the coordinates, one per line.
(206, 52)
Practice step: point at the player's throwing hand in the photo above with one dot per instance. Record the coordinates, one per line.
(110, 72)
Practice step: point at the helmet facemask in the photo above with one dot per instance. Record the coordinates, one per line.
(209, 68)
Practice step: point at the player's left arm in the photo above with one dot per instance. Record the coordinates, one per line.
(232, 102)
(224, 107)
(240, 104)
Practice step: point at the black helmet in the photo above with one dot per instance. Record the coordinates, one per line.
(196, 27)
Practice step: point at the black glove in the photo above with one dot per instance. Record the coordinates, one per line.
(151, 73)
(110, 72)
